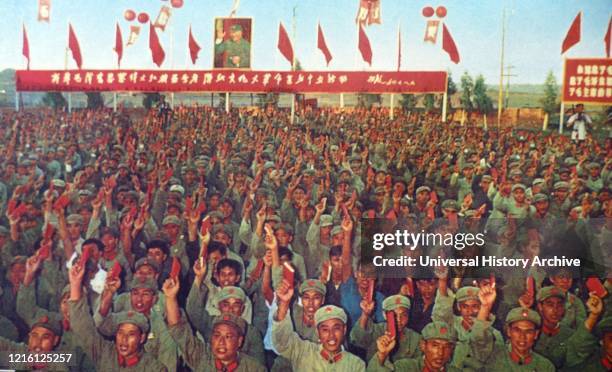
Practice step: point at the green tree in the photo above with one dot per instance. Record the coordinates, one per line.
(94, 100)
(55, 100)
(451, 88)
(368, 99)
(549, 101)
(408, 102)
(482, 101)
(429, 101)
(467, 92)
(150, 100)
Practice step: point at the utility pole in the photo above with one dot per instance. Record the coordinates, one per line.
(293, 31)
(507, 75)
(501, 71)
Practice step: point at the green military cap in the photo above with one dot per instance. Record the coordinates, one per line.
(355, 158)
(561, 185)
(329, 312)
(132, 195)
(221, 227)
(230, 319)
(4, 231)
(268, 165)
(438, 330)
(273, 218)
(147, 261)
(548, 292)
(309, 172)
(538, 181)
(381, 168)
(171, 220)
(144, 283)
(563, 170)
(467, 293)
(450, 204)
(84, 192)
(287, 228)
(570, 161)
(516, 172)
(216, 214)
(404, 201)
(177, 188)
(61, 148)
(345, 170)
(336, 230)
(52, 325)
(393, 302)
(423, 188)
(604, 326)
(191, 168)
(513, 165)
(74, 218)
(312, 285)
(58, 183)
(122, 165)
(380, 190)
(594, 165)
(540, 197)
(518, 186)
(487, 178)
(326, 220)
(132, 317)
(201, 163)
(230, 292)
(470, 213)
(521, 313)
(467, 165)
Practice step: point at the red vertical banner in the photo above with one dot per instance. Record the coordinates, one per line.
(73, 45)
(157, 51)
(284, 43)
(322, 45)
(44, 10)
(573, 34)
(194, 47)
(118, 44)
(448, 44)
(26, 46)
(364, 46)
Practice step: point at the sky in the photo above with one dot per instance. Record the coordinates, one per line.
(534, 33)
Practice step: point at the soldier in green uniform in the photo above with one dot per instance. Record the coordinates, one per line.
(437, 347)
(236, 48)
(126, 352)
(227, 335)
(365, 333)
(305, 355)
(601, 357)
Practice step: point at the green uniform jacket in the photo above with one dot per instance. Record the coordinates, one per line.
(567, 348)
(240, 49)
(197, 353)
(305, 355)
(413, 364)
(7, 347)
(103, 352)
(366, 338)
(500, 361)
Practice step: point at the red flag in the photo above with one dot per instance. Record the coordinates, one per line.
(364, 46)
(194, 48)
(448, 44)
(284, 43)
(573, 34)
(322, 45)
(44, 10)
(118, 45)
(26, 46)
(157, 51)
(399, 48)
(608, 37)
(73, 45)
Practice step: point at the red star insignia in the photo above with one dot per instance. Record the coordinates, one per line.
(226, 317)
(311, 283)
(398, 301)
(230, 291)
(44, 319)
(130, 314)
(470, 292)
(443, 330)
(525, 313)
(329, 309)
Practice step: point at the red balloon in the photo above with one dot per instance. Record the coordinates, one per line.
(428, 11)
(441, 12)
(176, 3)
(143, 18)
(129, 15)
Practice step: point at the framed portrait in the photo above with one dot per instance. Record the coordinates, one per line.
(232, 43)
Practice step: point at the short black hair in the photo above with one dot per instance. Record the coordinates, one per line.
(284, 251)
(335, 251)
(159, 244)
(216, 246)
(95, 241)
(231, 263)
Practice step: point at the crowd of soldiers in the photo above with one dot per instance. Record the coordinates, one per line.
(213, 241)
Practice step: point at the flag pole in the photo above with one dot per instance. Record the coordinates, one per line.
(562, 108)
(66, 68)
(501, 72)
(293, 26)
(399, 57)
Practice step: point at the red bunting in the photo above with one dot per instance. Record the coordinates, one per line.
(322, 45)
(448, 44)
(118, 45)
(157, 51)
(73, 45)
(284, 43)
(194, 47)
(26, 46)
(573, 34)
(364, 46)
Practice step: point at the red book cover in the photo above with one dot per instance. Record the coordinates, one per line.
(433, 197)
(11, 206)
(84, 257)
(594, 285)
(168, 174)
(176, 268)
(370, 294)
(19, 211)
(115, 271)
(61, 202)
(188, 205)
(530, 286)
(45, 251)
(48, 233)
(391, 324)
(256, 273)
(410, 285)
(288, 273)
(388, 181)
(206, 225)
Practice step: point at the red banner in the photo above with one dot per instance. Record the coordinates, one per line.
(588, 80)
(231, 81)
